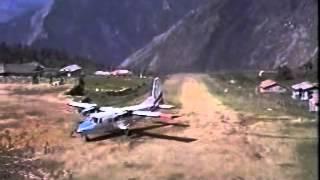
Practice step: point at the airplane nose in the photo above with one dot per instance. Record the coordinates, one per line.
(85, 126)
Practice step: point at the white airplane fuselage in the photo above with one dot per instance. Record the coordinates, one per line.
(109, 119)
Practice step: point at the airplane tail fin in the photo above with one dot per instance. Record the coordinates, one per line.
(157, 94)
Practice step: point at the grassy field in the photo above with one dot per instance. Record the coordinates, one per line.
(137, 85)
(241, 96)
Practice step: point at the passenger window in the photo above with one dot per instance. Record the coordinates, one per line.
(95, 120)
(100, 120)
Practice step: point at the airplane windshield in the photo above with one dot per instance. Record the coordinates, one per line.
(87, 119)
(95, 120)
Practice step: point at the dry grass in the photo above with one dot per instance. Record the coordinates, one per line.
(25, 91)
(246, 101)
(242, 96)
(28, 121)
(172, 90)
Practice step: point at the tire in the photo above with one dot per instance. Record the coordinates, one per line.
(127, 132)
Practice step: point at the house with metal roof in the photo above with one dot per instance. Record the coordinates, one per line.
(270, 86)
(303, 90)
(25, 69)
(71, 70)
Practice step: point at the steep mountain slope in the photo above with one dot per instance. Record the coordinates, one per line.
(12, 8)
(233, 35)
(25, 29)
(104, 30)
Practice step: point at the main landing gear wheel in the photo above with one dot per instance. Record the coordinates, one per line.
(127, 132)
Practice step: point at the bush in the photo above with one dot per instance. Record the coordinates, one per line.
(284, 73)
(77, 90)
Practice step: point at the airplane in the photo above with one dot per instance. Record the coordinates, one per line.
(101, 120)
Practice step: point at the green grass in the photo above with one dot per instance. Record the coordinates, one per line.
(242, 96)
(138, 86)
(245, 99)
(308, 156)
(113, 83)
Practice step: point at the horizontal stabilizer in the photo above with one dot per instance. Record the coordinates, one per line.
(166, 106)
(81, 105)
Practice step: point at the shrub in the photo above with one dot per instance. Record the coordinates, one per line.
(284, 73)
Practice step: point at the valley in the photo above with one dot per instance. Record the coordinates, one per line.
(226, 143)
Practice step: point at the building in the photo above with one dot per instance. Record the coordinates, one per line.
(25, 69)
(314, 101)
(51, 72)
(71, 70)
(270, 86)
(303, 90)
(121, 72)
(102, 73)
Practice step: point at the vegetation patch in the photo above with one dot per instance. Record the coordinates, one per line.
(108, 91)
(238, 90)
(308, 156)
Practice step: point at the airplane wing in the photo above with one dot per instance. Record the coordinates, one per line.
(154, 114)
(81, 105)
(147, 113)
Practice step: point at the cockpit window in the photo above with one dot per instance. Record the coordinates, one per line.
(100, 120)
(95, 120)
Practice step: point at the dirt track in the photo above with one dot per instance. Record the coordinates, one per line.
(224, 149)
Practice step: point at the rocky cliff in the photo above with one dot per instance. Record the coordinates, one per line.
(232, 35)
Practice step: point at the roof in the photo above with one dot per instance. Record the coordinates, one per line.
(71, 68)
(267, 83)
(25, 68)
(105, 73)
(34, 63)
(1, 68)
(121, 71)
(304, 86)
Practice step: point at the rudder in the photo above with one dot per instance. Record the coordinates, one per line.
(157, 91)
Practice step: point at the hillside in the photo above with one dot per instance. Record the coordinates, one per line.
(47, 57)
(233, 35)
(107, 31)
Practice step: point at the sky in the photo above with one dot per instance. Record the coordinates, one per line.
(13, 8)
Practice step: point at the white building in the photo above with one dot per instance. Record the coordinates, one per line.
(71, 69)
(302, 91)
(102, 73)
(121, 72)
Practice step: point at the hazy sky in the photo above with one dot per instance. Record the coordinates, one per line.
(12, 8)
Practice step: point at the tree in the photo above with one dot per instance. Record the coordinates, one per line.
(284, 73)
(79, 89)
